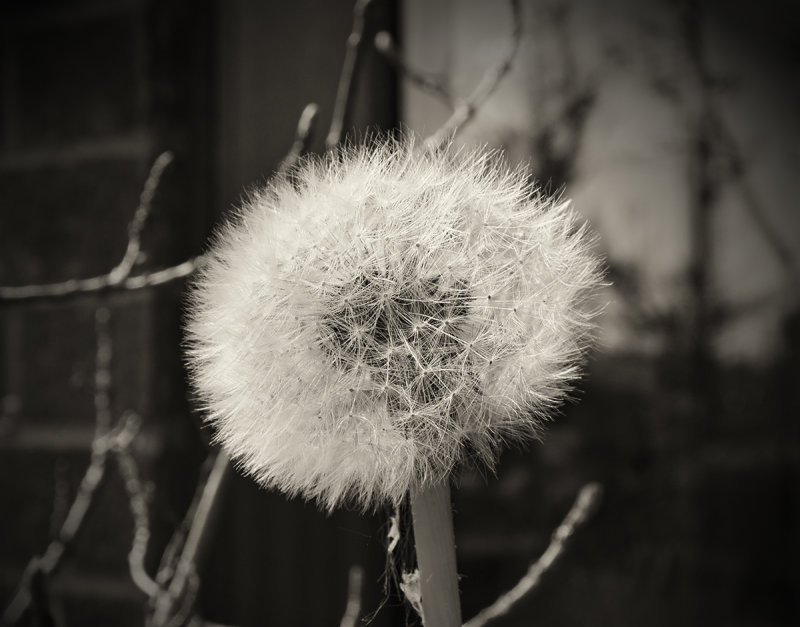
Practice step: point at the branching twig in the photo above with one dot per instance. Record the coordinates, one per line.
(137, 499)
(466, 109)
(167, 601)
(302, 136)
(584, 505)
(434, 85)
(172, 552)
(99, 283)
(353, 608)
(738, 173)
(347, 80)
(104, 440)
(123, 270)
(120, 276)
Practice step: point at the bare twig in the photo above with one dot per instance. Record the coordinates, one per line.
(347, 80)
(103, 440)
(165, 275)
(137, 498)
(99, 283)
(352, 610)
(432, 84)
(172, 552)
(302, 136)
(466, 109)
(167, 601)
(120, 276)
(584, 506)
(123, 270)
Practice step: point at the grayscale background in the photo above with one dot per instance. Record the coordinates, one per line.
(674, 126)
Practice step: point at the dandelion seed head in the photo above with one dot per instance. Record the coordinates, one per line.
(364, 326)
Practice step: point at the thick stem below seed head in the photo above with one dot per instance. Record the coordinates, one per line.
(436, 556)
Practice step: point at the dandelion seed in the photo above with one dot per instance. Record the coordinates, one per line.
(436, 308)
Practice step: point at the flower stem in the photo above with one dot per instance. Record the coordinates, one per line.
(436, 556)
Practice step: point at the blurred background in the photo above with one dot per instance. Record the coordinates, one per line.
(673, 125)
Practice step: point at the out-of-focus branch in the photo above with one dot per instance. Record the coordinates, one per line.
(104, 440)
(434, 85)
(137, 499)
(120, 276)
(98, 283)
(123, 269)
(347, 80)
(738, 173)
(584, 506)
(467, 108)
(352, 610)
(172, 552)
(302, 136)
(167, 601)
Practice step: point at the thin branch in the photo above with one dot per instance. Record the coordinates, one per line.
(352, 610)
(167, 601)
(101, 283)
(123, 269)
(119, 277)
(137, 498)
(347, 80)
(103, 440)
(302, 136)
(584, 506)
(466, 110)
(435, 85)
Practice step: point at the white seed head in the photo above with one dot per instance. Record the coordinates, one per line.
(361, 329)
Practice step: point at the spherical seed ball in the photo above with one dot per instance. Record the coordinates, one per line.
(361, 329)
